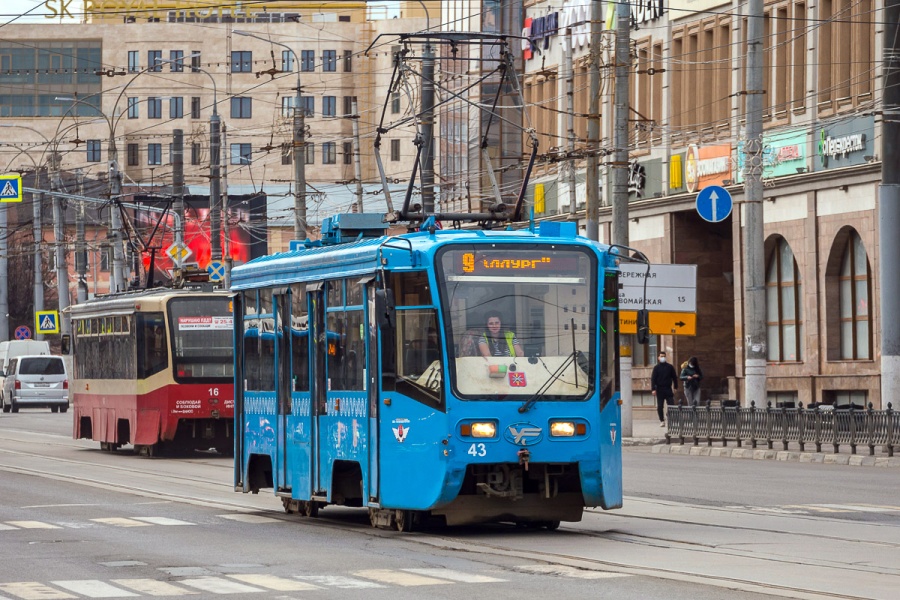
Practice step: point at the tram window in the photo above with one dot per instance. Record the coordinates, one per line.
(267, 363)
(299, 338)
(354, 293)
(251, 359)
(418, 350)
(411, 289)
(202, 339)
(265, 302)
(346, 352)
(334, 294)
(152, 357)
(250, 302)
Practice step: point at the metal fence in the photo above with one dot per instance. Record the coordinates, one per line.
(822, 425)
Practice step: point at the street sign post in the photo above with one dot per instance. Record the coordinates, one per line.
(46, 321)
(10, 188)
(23, 332)
(714, 204)
(178, 253)
(661, 323)
(216, 270)
(670, 297)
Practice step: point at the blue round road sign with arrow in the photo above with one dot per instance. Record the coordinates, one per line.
(714, 204)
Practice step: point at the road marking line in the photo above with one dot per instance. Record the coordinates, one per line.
(218, 585)
(32, 590)
(4, 527)
(273, 582)
(850, 507)
(338, 581)
(151, 587)
(94, 588)
(186, 571)
(121, 522)
(254, 519)
(458, 576)
(566, 571)
(399, 578)
(32, 525)
(162, 521)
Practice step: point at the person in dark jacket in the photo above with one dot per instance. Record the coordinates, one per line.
(691, 375)
(662, 380)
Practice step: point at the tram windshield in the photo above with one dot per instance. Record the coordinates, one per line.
(520, 320)
(202, 339)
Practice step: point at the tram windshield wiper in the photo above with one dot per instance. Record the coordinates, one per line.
(576, 356)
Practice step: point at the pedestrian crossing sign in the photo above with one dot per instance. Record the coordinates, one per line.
(46, 321)
(10, 188)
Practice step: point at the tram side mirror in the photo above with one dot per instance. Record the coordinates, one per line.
(384, 308)
(643, 326)
(66, 344)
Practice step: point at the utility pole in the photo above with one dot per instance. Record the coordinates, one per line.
(215, 185)
(226, 228)
(62, 271)
(569, 77)
(36, 204)
(889, 207)
(754, 275)
(619, 180)
(4, 273)
(357, 159)
(299, 145)
(80, 243)
(428, 128)
(592, 171)
(178, 198)
(117, 276)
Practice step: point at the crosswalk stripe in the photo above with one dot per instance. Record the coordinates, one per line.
(162, 521)
(457, 576)
(338, 581)
(219, 585)
(399, 578)
(567, 571)
(93, 588)
(121, 522)
(32, 590)
(151, 587)
(253, 519)
(273, 582)
(32, 525)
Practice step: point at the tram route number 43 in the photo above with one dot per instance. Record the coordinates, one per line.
(478, 450)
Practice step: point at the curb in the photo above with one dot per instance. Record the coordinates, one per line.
(855, 460)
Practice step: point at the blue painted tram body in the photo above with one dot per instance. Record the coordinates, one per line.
(359, 379)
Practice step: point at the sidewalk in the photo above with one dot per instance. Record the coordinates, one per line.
(647, 432)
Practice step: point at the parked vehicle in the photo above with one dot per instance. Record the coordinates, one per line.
(14, 348)
(36, 381)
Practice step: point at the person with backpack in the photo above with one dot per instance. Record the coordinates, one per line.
(691, 376)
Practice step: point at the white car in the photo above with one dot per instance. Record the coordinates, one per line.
(36, 382)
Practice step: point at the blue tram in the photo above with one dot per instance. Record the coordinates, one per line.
(367, 375)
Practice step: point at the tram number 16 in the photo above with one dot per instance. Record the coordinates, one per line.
(214, 392)
(478, 450)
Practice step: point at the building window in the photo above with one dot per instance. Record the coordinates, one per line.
(856, 326)
(329, 153)
(93, 150)
(287, 61)
(310, 157)
(784, 303)
(348, 105)
(154, 154)
(329, 106)
(195, 61)
(287, 153)
(241, 107)
(176, 107)
(134, 61)
(287, 106)
(105, 259)
(240, 154)
(170, 157)
(134, 155)
(195, 153)
(348, 61)
(241, 61)
(176, 60)
(154, 108)
(348, 153)
(395, 150)
(308, 104)
(307, 60)
(329, 61)
(195, 107)
(133, 111)
(153, 60)
(644, 355)
(782, 399)
(395, 103)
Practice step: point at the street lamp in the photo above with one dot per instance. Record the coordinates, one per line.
(299, 146)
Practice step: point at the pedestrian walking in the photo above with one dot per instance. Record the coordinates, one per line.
(691, 376)
(662, 381)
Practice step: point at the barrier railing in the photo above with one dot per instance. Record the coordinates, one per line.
(838, 426)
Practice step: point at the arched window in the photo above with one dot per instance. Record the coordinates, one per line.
(784, 301)
(856, 330)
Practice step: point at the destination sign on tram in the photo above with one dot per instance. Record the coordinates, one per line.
(205, 323)
(504, 263)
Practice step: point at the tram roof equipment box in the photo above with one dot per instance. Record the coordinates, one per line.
(349, 227)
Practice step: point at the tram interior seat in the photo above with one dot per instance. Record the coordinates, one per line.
(468, 344)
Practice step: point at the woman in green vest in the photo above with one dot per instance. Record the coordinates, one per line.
(494, 342)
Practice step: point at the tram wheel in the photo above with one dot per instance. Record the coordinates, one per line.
(373, 517)
(404, 520)
(311, 509)
(548, 525)
(290, 505)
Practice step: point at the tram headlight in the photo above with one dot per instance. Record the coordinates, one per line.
(483, 429)
(562, 429)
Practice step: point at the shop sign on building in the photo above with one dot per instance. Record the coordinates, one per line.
(644, 11)
(845, 143)
(707, 165)
(783, 154)
(645, 179)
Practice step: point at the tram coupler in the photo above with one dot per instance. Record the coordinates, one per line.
(524, 457)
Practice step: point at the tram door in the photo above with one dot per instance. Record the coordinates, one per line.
(282, 303)
(318, 381)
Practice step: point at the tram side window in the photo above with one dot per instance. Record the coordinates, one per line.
(151, 341)
(251, 356)
(299, 338)
(346, 352)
